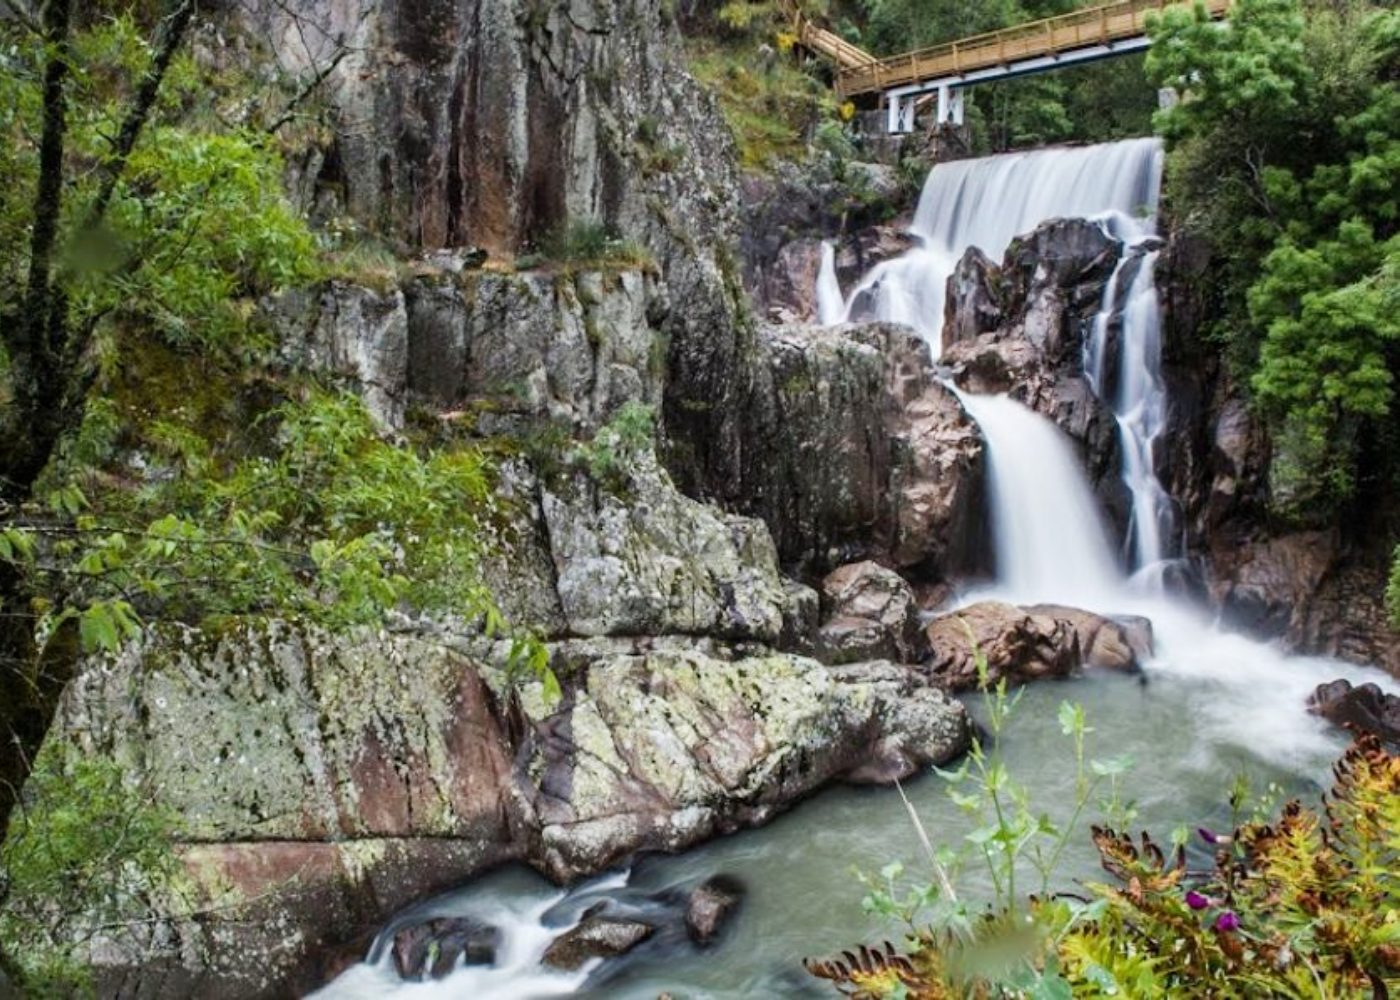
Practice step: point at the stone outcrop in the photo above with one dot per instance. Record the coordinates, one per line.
(511, 352)
(327, 781)
(790, 210)
(1027, 644)
(855, 450)
(1317, 587)
(1020, 327)
(870, 614)
(1364, 708)
(650, 561)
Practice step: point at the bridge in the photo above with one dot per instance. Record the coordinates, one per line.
(909, 79)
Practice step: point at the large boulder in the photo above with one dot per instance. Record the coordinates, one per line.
(665, 747)
(646, 560)
(1026, 644)
(857, 451)
(327, 781)
(871, 614)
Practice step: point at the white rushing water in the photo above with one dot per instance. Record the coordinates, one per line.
(989, 202)
(521, 917)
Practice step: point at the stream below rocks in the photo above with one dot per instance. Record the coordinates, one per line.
(1208, 706)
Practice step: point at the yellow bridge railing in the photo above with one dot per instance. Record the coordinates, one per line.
(861, 73)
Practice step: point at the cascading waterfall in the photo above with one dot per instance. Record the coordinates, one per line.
(830, 308)
(987, 203)
(1217, 702)
(1139, 401)
(1039, 556)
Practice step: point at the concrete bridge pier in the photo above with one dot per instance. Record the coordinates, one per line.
(902, 105)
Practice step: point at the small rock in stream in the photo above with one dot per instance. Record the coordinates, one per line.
(710, 905)
(595, 937)
(435, 946)
(1361, 709)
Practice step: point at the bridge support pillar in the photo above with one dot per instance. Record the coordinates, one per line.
(950, 105)
(899, 113)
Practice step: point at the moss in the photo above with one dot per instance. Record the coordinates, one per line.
(769, 102)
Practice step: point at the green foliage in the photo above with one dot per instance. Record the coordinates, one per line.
(1392, 591)
(959, 945)
(1285, 153)
(84, 852)
(330, 523)
(1305, 906)
(630, 432)
(198, 223)
(588, 245)
(770, 101)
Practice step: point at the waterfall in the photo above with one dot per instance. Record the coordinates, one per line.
(1138, 399)
(1050, 541)
(830, 308)
(989, 202)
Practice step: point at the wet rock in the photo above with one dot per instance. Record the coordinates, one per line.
(1117, 643)
(1361, 709)
(1018, 644)
(710, 905)
(438, 946)
(595, 937)
(1266, 587)
(871, 615)
(1020, 327)
(855, 450)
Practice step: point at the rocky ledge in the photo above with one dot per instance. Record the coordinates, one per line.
(327, 781)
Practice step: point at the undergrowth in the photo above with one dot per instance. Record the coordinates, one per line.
(1305, 905)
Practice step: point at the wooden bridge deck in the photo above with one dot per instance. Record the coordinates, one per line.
(862, 73)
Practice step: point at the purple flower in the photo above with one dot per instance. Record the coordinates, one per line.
(1213, 838)
(1227, 921)
(1196, 901)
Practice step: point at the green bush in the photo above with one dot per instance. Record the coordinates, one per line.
(1305, 906)
(85, 852)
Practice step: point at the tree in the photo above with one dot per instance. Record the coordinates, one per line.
(1285, 152)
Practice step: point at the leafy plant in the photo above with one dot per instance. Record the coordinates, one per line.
(589, 244)
(1305, 231)
(85, 852)
(1307, 905)
(617, 443)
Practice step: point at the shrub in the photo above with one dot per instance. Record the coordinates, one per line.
(1305, 906)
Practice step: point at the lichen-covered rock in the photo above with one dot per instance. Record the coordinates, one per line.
(353, 331)
(871, 615)
(522, 349)
(328, 781)
(595, 937)
(650, 561)
(659, 750)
